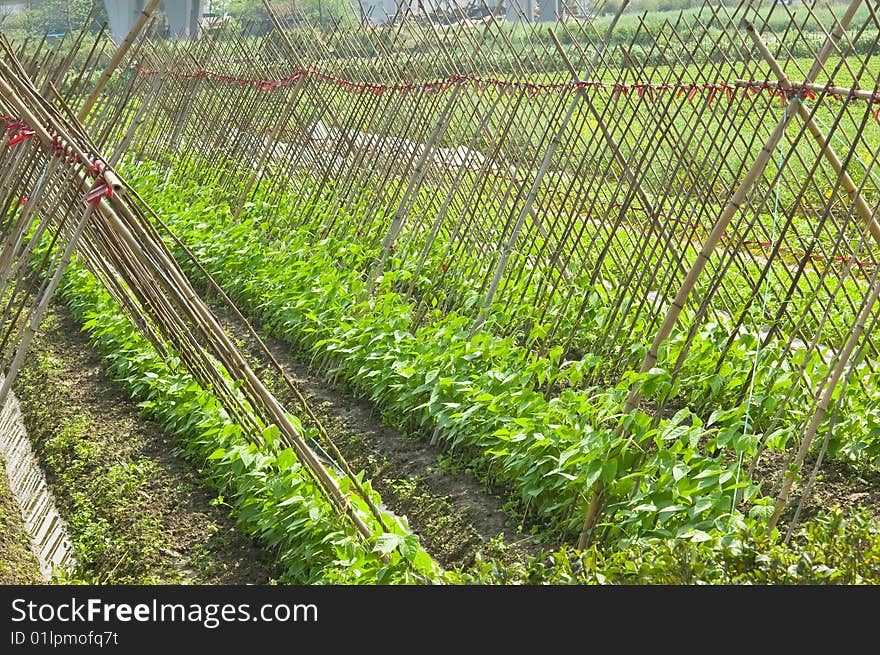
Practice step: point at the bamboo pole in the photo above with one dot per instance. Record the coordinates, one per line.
(525, 211)
(116, 59)
(161, 261)
(615, 149)
(843, 359)
(415, 181)
(10, 261)
(36, 316)
(447, 200)
(861, 206)
(600, 50)
(154, 258)
(281, 121)
(730, 210)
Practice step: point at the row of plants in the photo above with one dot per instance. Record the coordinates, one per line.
(751, 384)
(479, 392)
(834, 549)
(529, 422)
(589, 314)
(271, 495)
(837, 548)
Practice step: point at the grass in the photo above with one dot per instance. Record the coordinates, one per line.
(98, 485)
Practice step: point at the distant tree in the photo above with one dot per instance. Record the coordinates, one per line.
(315, 10)
(41, 16)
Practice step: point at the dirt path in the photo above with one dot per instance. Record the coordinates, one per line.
(451, 511)
(137, 513)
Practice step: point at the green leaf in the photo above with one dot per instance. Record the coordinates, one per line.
(761, 512)
(698, 536)
(286, 458)
(671, 508)
(388, 541)
(702, 505)
(609, 470)
(594, 470)
(293, 500)
(409, 547)
(271, 434)
(679, 471)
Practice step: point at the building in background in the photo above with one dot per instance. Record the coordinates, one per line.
(183, 16)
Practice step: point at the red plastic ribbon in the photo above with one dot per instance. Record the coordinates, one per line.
(23, 133)
(616, 89)
(98, 191)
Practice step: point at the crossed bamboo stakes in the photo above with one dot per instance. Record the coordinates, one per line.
(84, 206)
(292, 104)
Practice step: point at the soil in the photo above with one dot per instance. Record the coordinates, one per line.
(137, 512)
(841, 486)
(837, 486)
(18, 563)
(452, 512)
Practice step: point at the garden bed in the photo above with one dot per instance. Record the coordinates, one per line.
(138, 513)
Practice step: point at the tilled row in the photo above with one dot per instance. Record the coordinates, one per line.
(136, 513)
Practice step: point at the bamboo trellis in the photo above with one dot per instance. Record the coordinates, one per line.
(716, 169)
(59, 190)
